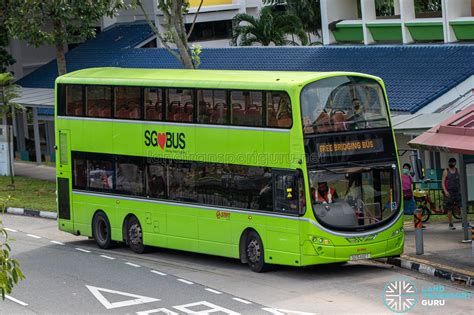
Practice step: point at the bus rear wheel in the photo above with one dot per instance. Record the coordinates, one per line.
(255, 252)
(135, 235)
(101, 231)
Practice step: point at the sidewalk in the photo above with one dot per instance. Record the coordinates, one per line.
(444, 254)
(34, 171)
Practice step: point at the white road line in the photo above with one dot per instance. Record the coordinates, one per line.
(213, 291)
(83, 250)
(107, 257)
(185, 281)
(57, 243)
(33, 236)
(241, 301)
(10, 230)
(16, 300)
(158, 272)
(132, 264)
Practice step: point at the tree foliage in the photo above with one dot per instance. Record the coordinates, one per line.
(270, 27)
(10, 272)
(6, 59)
(175, 31)
(308, 11)
(57, 22)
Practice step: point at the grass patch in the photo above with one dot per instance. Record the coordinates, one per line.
(437, 218)
(29, 193)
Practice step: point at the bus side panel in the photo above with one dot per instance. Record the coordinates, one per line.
(182, 228)
(214, 228)
(85, 208)
(282, 244)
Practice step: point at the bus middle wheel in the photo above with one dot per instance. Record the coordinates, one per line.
(135, 235)
(255, 252)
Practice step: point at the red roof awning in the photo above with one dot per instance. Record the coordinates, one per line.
(454, 135)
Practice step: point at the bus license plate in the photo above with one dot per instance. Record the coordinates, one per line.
(360, 256)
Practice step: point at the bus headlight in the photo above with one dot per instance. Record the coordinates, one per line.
(397, 231)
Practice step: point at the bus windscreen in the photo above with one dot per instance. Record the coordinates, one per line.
(343, 103)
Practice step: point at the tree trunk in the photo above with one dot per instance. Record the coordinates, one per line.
(61, 59)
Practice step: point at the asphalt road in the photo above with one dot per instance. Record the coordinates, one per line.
(69, 274)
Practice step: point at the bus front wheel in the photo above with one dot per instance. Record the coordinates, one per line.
(101, 231)
(255, 253)
(135, 235)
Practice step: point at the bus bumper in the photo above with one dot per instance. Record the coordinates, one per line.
(314, 253)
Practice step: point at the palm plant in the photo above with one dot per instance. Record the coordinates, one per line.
(270, 27)
(8, 92)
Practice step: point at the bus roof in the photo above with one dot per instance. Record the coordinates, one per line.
(196, 78)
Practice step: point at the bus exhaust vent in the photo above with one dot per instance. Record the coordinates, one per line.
(63, 199)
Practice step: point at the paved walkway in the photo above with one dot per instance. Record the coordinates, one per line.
(34, 171)
(442, 248)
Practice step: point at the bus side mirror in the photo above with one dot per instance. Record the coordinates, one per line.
(420, 171)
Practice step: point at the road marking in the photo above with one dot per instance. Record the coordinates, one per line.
(158, 310)
(139, 299)
(107, 257)
(198, 308)
(83, 250)
(275, 311)
(241, 301)
(56, 242)
(158, 272)
(132, 264)
(213, 291)
(16, 300)
(185, 281)
(10, 230)
(33, 236)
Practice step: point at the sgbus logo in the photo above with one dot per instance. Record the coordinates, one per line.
(170, 140)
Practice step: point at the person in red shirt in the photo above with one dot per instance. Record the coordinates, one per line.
(324, 193)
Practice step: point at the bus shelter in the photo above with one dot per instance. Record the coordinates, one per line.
(455, 135)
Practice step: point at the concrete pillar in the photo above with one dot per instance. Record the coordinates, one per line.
(20, 131)
(333, 10)
(407, 13)
(453, 9)
(463, 179)
(37, 136)
(396, 7)
(368, 15)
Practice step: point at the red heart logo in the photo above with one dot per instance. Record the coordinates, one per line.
(161, 140)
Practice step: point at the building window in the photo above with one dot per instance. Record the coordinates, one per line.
(180, 105)
(210, 30)
(153, 104)
(127, 103)
(99, 101)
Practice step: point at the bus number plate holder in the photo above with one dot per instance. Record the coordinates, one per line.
(360, 256)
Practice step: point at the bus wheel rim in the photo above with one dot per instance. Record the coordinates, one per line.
(253, 251)
(135, 234)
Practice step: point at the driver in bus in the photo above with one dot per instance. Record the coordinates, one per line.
(324, 193)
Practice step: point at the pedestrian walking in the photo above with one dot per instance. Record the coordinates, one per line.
(452, 190)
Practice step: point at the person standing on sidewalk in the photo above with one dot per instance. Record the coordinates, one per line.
(452, 190)
(409, 204)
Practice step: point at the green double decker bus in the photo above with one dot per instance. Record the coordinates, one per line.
(291, 168)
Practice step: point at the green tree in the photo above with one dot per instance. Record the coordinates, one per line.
(175, 31)
(270, 27)
(308, 11)
(5, 58)
(57, 22)
(10, 272)
(8, 92)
